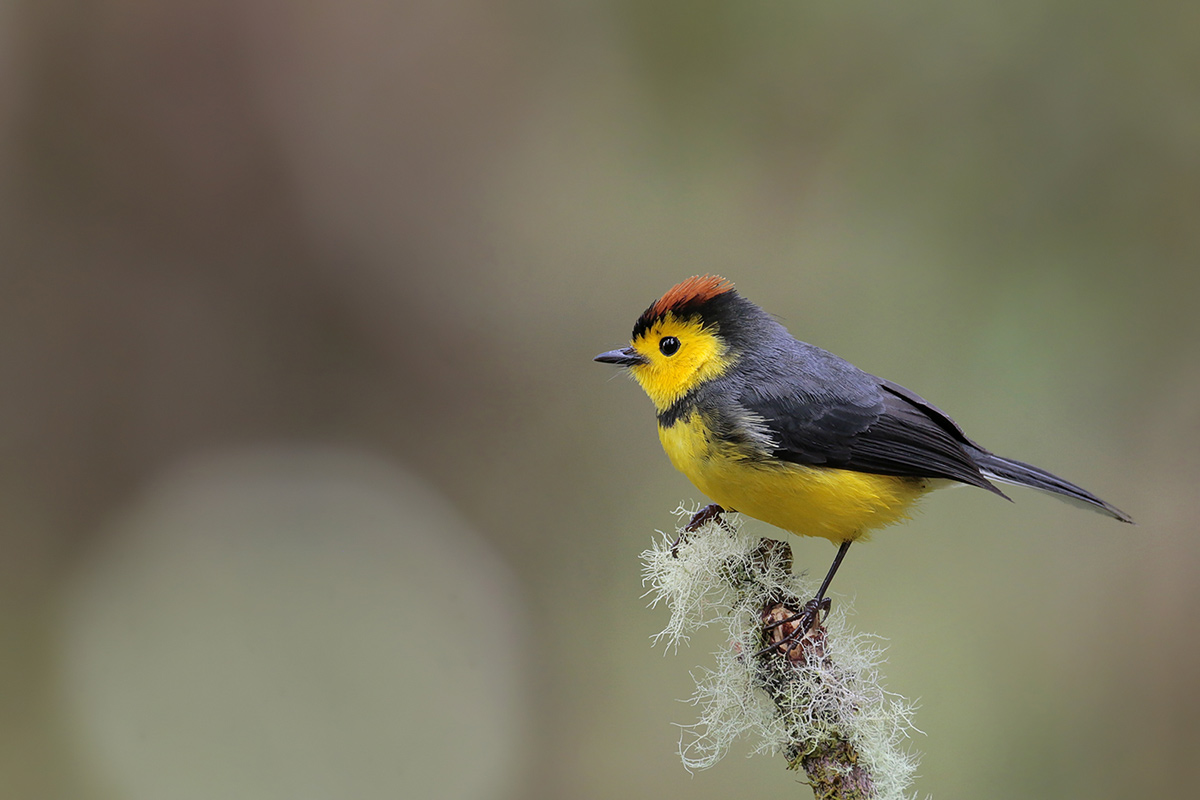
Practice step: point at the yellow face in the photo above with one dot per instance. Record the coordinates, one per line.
(679, 354)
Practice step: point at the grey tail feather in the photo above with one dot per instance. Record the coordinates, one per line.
(1018, 473)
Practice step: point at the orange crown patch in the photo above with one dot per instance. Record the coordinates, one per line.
(683, 298)
(695, 290)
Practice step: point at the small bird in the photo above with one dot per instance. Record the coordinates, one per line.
(792, 435)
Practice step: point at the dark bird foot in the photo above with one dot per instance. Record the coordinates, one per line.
(699, 519)
(707, 514)
(787, 633)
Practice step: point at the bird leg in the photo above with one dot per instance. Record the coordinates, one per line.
(837, 562)
(808, 617)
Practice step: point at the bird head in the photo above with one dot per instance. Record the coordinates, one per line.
(685, 338)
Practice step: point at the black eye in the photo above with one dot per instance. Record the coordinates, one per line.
(668, 345)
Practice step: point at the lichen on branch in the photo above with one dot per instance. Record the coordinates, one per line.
(813, 696)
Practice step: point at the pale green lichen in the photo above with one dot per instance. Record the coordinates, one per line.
(718, 577)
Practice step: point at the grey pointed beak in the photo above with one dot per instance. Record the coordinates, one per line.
(625, 357)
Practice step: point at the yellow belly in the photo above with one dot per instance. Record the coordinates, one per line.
(837, 504)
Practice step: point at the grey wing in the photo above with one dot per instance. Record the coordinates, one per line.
(844, 418)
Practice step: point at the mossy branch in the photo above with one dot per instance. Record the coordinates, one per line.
(813, 696)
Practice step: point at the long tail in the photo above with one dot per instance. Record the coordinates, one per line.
(1018, 473)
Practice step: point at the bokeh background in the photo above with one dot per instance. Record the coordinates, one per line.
(311, 489)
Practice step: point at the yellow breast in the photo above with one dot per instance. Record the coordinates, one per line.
(837, 504)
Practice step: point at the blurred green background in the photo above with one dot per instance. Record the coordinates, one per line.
(311, 489)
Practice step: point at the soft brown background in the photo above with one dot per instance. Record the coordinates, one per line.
(310, 487)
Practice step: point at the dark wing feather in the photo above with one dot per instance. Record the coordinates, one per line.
(832, 414)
